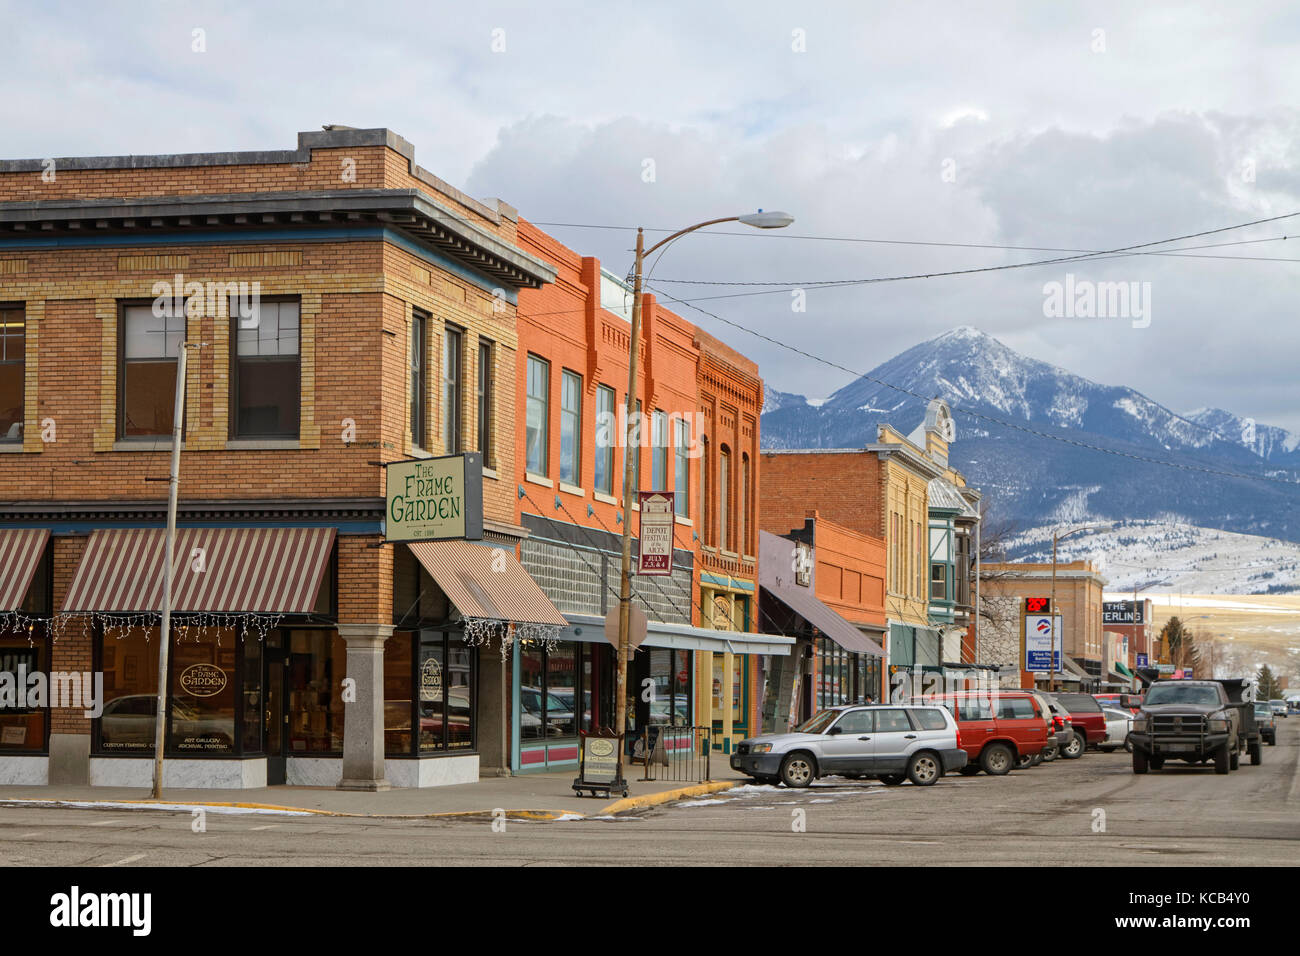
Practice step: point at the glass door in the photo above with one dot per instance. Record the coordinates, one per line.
(277, 713)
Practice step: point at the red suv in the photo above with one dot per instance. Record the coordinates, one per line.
(1088, 720)
(997, 728)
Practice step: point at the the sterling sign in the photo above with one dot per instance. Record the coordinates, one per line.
(430, 499)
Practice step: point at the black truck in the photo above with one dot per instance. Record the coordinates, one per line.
(1197, 721)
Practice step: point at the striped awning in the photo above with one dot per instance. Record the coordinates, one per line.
(486, 582)
(21, 550)
(229, 570)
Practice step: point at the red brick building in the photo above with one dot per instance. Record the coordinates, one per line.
(347, 309)
(698, 427)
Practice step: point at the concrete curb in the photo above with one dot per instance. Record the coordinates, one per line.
(668, 796)
(175, 805)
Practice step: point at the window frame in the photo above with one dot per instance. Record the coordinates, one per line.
(6, 308)
(544, 399)
(571, 417)
(453, 408)
(418, 378)
(120, 410)
(659, 450)
(484, 387)
(724, 498)
(682, 468)
(233, 375)
(604, 454)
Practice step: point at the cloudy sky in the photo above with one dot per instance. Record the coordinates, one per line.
(1058, 126)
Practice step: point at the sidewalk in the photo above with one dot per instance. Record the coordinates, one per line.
(538, 796)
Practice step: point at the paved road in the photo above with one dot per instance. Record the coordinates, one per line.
(1179, 816)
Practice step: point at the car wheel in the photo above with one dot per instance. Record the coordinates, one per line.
(1108, 749)
(1139, 762)
(1075, 748)
(1128, 745)
(1234, 761)
(1272, 741)
(997, 759)
(1156, 762)
(1222, 760)
(1256, 753)
(969, 770)
(797, 770)
(1024, 761)
(892, 779)
(1036, 759)
(924, 769)
(1051, 752)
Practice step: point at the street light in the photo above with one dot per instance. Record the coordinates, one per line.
(759, 220)
(1056, 537)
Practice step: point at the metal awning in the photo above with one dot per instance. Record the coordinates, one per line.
(483, 581)
(807, 606)
(686, 637)
(225, 570)
(21, 550)
(1074, 669)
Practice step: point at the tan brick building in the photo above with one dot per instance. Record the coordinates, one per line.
(345, 308)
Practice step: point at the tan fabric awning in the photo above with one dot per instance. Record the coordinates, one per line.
(21, 550)
(226, 570)
(486, 582)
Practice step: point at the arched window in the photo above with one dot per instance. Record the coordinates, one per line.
(742, 522)
(724, 499)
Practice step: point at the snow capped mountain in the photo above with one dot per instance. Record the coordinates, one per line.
(1021, 428)
(1268, 441)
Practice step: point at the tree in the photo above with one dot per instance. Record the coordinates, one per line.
(1269, 688)
(1178, 644)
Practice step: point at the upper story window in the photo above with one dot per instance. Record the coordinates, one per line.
(659, 452)
(537, 433)
(419, 380)
(724, 498)
(484, 399)
(682, 468)
(742, 521)
(570, 425)
(606, 439)
(146, 373)
(452, 390)
(938, 582)
(13, 365)
(706, 495)
(265, 372)
(634, 449)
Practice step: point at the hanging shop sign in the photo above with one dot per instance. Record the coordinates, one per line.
(432, 499)
(658, 520)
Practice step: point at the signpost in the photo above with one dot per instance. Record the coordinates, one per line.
(431, 499)
(658, 522)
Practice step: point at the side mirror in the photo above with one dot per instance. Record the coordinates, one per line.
(837, 729)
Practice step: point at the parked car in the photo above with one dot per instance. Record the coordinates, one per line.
(1129, 702)
(1267, 722)
(998, 728)
(1293, 705)
(1088, 722)
(1062, 729)
(1118, 724)
(1191, 719)
(890, 742)
(1279, 707)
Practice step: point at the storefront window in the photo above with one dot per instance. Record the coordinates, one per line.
(129, 660)
(252, 696)
(550, 688)
(203, 691)
(438, 669)
(22, 726)
(670, 672)
(317, 663)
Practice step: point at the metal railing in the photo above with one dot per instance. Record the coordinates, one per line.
(674, 752)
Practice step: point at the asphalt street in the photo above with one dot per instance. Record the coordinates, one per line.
(1089, 811)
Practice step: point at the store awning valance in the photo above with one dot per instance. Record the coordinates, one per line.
(802, 601)
(1124, 671)
(486, 582)
(224, 570)
(21, 550)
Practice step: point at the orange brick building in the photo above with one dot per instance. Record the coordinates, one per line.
(380, 327)
(698, 428)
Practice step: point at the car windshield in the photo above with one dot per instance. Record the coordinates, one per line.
(1263, 709)
(818, 723)
(1175, 694)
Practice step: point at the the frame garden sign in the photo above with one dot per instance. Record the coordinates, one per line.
(429, 499)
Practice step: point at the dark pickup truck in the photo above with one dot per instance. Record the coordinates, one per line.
(1195, 720)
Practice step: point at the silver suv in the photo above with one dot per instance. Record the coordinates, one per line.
(892, 742)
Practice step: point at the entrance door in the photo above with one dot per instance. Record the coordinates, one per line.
(277, 714)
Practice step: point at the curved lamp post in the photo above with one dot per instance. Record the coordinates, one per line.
(759, 220)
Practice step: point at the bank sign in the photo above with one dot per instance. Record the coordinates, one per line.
(430, 499)
(1042, 647)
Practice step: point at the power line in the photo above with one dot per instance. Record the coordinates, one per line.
(979, 415)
